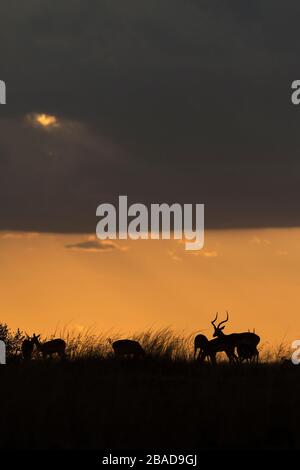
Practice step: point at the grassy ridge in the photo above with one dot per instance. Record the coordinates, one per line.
(164, 401)
(97, 404)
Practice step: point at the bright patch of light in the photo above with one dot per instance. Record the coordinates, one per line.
(45, 120)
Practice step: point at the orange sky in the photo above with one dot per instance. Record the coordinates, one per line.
(135, 285)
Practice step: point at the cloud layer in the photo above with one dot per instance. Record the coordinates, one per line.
(163, 101)
(94, 246)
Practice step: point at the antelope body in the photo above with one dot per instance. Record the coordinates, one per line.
(211, 348)
(245, 343)
(247, 353)
(48, 348)
(200, 343)
(127, 347)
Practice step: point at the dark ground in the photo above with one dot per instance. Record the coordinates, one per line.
(148, 404)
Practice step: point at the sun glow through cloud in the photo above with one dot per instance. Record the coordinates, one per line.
(43, 120)
(46, 120)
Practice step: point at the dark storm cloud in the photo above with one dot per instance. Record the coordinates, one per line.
(183, 101)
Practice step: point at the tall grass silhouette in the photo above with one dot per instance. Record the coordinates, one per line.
(163, 344)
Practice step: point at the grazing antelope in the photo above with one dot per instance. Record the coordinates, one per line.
(212, 347)
(127, 347)
(27, 348)
(247, 353)
(54, 346)
(200, 342)
(247, 340)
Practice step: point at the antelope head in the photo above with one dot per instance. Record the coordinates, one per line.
(35, 339)
(218, 329)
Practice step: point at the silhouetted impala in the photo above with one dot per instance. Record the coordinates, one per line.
(210, 348)
(247, 353)
(200, 343)
(27, 348)
(246, 343)
(127, 347)
(53, 346)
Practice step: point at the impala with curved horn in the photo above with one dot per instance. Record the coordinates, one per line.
(246, 343)
(54, 346)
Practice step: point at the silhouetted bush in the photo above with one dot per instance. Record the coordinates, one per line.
(13, 341)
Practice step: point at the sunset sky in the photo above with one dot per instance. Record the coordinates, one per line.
(49, 282)
(162, 101)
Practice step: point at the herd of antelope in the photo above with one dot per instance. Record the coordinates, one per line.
(238, 347)
(48, 348)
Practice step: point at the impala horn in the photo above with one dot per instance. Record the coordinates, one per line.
(224, 321)
(213, 322)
